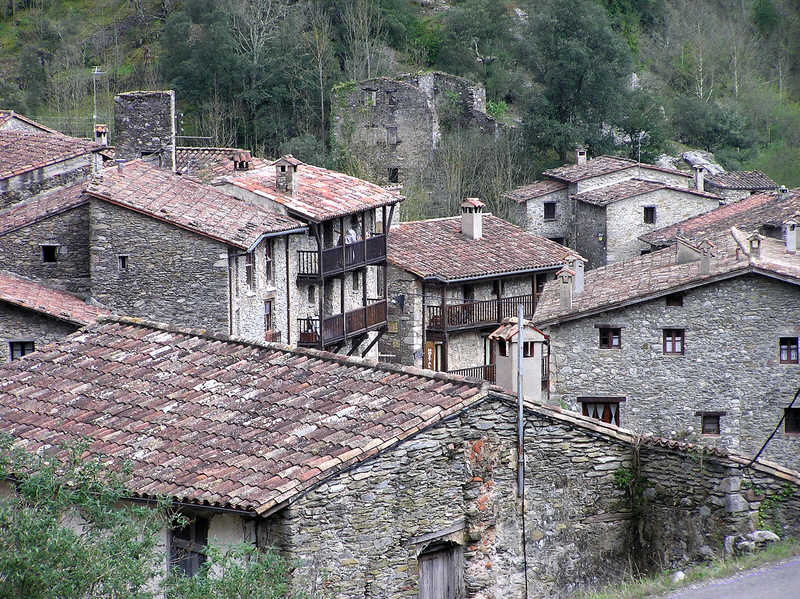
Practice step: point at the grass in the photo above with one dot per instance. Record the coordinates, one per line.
(658, 584)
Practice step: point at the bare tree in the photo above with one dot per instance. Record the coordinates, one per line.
(318, 38)
(362, 21)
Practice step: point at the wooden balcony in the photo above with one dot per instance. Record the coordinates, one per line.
(473, 315)
(342, 258)
(341, 327)
(480, 373)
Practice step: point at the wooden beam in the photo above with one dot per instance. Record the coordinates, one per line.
(381, 331)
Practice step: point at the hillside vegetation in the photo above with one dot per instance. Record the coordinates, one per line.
(635, 77)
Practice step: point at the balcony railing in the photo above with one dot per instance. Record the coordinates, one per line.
(342, 326)
(481, 373)
(272, 335)
(335, 261)
(478, 314)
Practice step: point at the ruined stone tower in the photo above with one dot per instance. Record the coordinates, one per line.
(144, 125)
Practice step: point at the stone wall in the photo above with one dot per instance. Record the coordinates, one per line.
(21, 252)
(33, 182)
(625, 219)
(532, 216)
(730, 195)
(18, 324)
(603, 180)
(731, 364)
(144, 123)
(172, 275)
(402, 343)
(360, 533)
(589, 233)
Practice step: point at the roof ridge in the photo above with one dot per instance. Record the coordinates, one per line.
(305, 351)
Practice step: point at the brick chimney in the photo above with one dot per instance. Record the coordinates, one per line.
(101, 134)
(472, 218)
(699, 177)
(286, 173)
(580, 155)
(566, 277)
(791, 233)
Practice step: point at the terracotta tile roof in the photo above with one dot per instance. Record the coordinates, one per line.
(535, 190)
(603, 196)
(7, 115)
(659, 273)
(602, 165)
(436, 249)
(206, 419)
(509, 329)
(209, 163)
(42, 206)
(58, 304)
(749, 214)
(188, 204)
(21, 152)
(320, 195)
(754, 180)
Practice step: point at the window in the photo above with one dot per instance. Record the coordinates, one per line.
(49, 253)
(791, 419)
(610, 338)
(497, 288)
(438, 354)
(441, 572)
(267, 315)
(674, 299)
(528, 349)
(356, 281)
(549, 210)
(673, 341)
(394, 174)
(122, 262)
(249, 266)
(391, 99)
(311, 293)
(788, 350)
(391, 136)
(469, 293)
(17, 349)
(558, 240)
(649, 215)
(709, 422)
(268, 261)
(187, 545)
(502, 347)
(602, 408)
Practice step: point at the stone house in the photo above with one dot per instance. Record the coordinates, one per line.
(379, 480)
(763, 212)
(335, 269)
(694, 341)
(599, 207)
(33, 162)
(393, 124)
(737, 185)
(453, 280)
(32, 315)
(14, 121)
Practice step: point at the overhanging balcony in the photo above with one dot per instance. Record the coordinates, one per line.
(341, 327)
(475, 315)
(341, 258)
(480, 373)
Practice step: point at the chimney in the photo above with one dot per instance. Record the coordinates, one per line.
(101, 134)
(699, 177)
(565, 286)
(580, 155)
(791, 232)
(286, 173)
(783, 193)
(686, 251)
(472, 218)
(241, 160)
(576, 264)
(120, 162)
(705, 256)
(755, 245)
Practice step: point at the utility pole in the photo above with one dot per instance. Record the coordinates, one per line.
(95, 74)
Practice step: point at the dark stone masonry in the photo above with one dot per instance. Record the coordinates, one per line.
(19, 324)
(144, 125)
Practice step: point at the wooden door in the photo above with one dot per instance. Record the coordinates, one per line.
(441, 573)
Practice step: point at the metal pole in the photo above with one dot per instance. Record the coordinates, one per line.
(520, 434)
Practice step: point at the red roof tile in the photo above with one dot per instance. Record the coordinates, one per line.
(22, 151)
(42, 206)
(188, 204)
(752, 180)
(320, 194)
(209, 163)
(603, 165)
(256, 426)
(436, 249)
(58, 304)
(603, 196)
(535, 190)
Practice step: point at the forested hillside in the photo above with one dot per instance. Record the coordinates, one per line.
(624, 76)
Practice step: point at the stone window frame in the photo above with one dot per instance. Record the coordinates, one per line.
(712, 419)
(788, 350)
(608, 335)
(649, 215)
(56, 248)
(611, 408)
(670, 337)
(791, 421)
(549, 205)
(22, 346)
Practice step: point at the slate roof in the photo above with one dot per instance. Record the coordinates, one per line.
(7, 115)
(436, 249)
(42, 206)
(51, 302)
(603, 196)
(188, 204)
(22, 151)
(209, 163)
(658, 273)
(320, 194)
(752, 180)
(749, 214)
(535, 190)
(602, 165)
(211, 420)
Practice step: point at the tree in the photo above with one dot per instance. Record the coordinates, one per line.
(581, 67)
(318, 38)
(362, 36)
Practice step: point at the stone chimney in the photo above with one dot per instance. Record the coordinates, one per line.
(580, 155)
(791, 233)
(699, 177)
(101, 134)
(783, 193)
(576, 265)
(241, 160)
(144, 125)
(472, 218)
(566, 277)
(286, 178)
(705, 256)
(755, 245)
